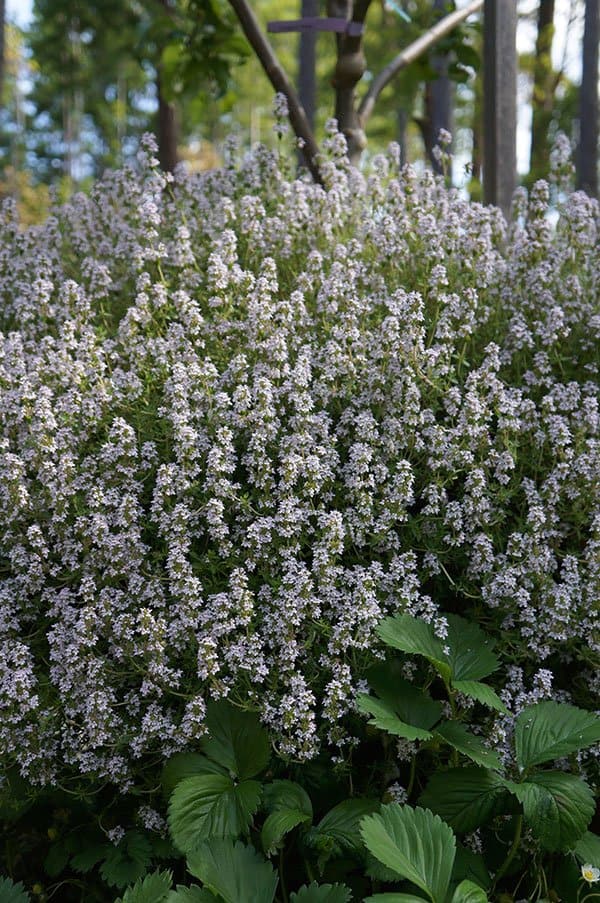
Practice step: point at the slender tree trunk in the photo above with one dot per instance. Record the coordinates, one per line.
(168, 123)
(438, 102)
(500, 101)
(307, 84)
(588, 121)
(349, 69)
(2, 50)
(168, 130)
(543, 91)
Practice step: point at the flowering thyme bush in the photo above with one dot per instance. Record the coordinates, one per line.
(244, 417)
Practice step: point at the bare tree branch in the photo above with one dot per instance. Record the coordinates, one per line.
(411, 53)
(280, 82)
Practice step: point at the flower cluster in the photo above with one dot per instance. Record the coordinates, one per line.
(244, 416)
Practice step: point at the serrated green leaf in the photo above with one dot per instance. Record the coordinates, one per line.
(236, 740)
(481, 693)
(415, 843)
(11, 892)
(550, 730)
(409, 703)
(91, 855)
(464, 797)
(153, 888)
(278, 824)
(386, 719)
(415, 637)
(468, 744)
(56, 860)
(558, 807)
(192, 894)
(119, 870)
(211, 806)
(587, 849)
(322, 893)
(186, 765)
(339, 828)
(282, 794)
(234, 871)
(471, 654)
(468, 892)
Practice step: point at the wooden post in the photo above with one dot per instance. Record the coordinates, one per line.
(587, 177)
(500, 102)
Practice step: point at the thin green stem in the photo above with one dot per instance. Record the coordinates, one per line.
(512, 852)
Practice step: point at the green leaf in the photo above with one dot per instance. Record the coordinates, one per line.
(56, 860)
(468, 892)
(186, 765)
(234, 871)
(415, 843)
(11, 892)
(338, 830)
(415, 637)
(471, 650)
(85, 860)
(386, 719)
(471, 866)
(464, 797)
(558, 807)
(410, 704)
(278, 824)
(211, 806)
(481, 693)
(550, 730)
(286, 795)
(236, 740)
(394, 898)
(321, 893)
(468, 744)
(154, 888)
(192, 894)
(128, 861)
(587, 849)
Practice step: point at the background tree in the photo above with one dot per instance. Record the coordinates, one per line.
(588, 119)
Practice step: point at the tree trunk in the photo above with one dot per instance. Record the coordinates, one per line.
(500, 102)
(543, 91)
(349, 69)
(588, 120)
(438, 102)
(2, 50)
(168, 131)
(307, 85)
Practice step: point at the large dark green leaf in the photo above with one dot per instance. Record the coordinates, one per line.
(464, 797)
(233, 871)
(236, 740)
(471, 650)
(339, 828)
(587, 849)
(558, 807)
(394, 898)
(468, 892)
(278, 824)
(211, 806)
(468, 744)
(415, 843)
(321, 893)
(186, 765)
(481, 693)
(415, 637)
(283, 794)
(408, 702)
(385, 718)
(550, 730)
(128, 861)
(192, 894)
(471, 866)
(153, 888)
